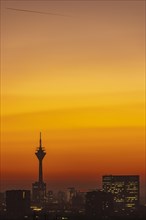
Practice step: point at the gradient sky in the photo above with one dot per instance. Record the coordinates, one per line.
(78, 78)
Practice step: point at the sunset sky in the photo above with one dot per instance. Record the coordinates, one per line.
(79, 78)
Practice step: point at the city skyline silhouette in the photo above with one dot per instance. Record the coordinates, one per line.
(39, 188)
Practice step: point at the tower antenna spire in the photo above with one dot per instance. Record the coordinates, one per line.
(40, 140)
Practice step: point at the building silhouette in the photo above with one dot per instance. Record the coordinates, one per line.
(98, 204)
(17, 203)
(39, 187)
(71, 191)
(125, 190)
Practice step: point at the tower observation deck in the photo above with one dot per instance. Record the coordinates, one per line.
(39, 187)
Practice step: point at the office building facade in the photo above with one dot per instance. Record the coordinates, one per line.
(125, 190)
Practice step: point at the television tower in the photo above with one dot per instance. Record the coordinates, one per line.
(40, 153)
(39, 187)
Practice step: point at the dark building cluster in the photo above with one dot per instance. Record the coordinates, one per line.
(119, 198)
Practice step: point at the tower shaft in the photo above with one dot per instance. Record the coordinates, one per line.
(40, 171)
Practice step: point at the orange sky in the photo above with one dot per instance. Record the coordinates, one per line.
(78, 78)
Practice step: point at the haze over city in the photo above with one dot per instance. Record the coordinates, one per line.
(80, 80)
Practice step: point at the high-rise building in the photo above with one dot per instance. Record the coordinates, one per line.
(71, 191)
(17, 203)
(125, 190)
(39, 187)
